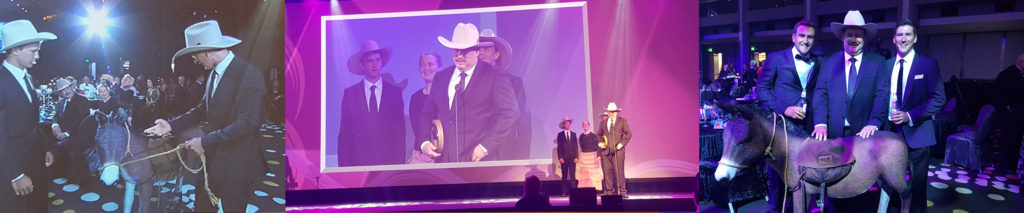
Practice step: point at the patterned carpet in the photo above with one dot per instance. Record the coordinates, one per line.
(954, 189)
(94, 196)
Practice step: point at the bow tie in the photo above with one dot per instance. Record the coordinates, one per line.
(805, 57)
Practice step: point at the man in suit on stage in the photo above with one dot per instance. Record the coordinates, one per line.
(916, 94)
(23, 147)
(850, 98)
(474, 102)
(230, 113)
(568, 155)
(785, 86)
(372, 122)
(615, 134)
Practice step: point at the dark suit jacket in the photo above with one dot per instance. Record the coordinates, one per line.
(778, 86)
(371, 138)
(75, 110)
(21, 142)
(619, 134)
(1009, 84)
(923, 97)
(486, 112)
(232, 120)
(567, 149)
(869, 103)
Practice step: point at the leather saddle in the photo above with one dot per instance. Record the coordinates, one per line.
(826, 161)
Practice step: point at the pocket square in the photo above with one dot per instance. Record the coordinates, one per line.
(918, 76)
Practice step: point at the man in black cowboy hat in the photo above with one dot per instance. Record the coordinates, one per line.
(474, 102)
(232, 111)
(372, 121)
(23, 148)
(500, 55)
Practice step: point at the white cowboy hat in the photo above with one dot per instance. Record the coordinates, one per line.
(369, 46)
(465, 36)
(21, 32)
(62, 84)
(204, 36)
(564, 119)
(854, 19)
(500, 44)
(612, 107)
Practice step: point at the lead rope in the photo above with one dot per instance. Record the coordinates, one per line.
(206, 180)
(768, 151)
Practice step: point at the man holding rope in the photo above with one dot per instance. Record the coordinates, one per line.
(230, 114)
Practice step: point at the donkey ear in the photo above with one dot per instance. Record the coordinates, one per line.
(727, 105)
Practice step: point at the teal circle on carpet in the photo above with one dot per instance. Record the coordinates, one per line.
(90, 197)
(260, 193)
(110, 206)
(279, 200)
(71, 188)
(59, 181)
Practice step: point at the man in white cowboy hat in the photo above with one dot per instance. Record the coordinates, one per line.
(614, 135)
(850, 98)
(23, 148)
(231, 111)
(71, 110)
(568, 154)
(372, 122)
(474, 102)
(500, 54)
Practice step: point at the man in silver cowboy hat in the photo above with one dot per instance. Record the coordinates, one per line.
(231, 113)
(568, 155)
(500, 54)
(23, 147)
(850, 99)
(474, 102)
(372, 122)
(614, 134)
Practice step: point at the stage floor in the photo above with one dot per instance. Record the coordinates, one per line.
(492, 204)
(94, 196)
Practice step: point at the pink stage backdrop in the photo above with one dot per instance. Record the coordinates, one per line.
(638, 58)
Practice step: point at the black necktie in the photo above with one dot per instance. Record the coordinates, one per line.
(462, 83)
(851, 80)
(806, 58)
(899, 86)
(373, 98)
(29, 88)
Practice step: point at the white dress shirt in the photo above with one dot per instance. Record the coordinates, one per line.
(220, 68)
(907, 62)
(803, 71)
(455, 81)
(366, 92)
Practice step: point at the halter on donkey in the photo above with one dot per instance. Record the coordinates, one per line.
(846, 166)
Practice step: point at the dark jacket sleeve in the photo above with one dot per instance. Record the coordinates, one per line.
(766, 83)
(880, 107)
(627, 134)
(820, 98)
(506, 106)
(249, 100)
(936, 96)
(427, 115)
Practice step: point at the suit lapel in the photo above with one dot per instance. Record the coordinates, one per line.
(909, 87)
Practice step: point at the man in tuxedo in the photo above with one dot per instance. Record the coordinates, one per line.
(474, 102)
(916, 94)
(71, 110)
(851, 95)
(568, 155)
(230, 114)
(23, 148)
(1009, 101)
(500, 55)
(615, 134)
(372, 121)
(785, 87)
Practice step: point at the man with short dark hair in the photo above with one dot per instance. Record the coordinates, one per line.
(916, 94)
(785, 87)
